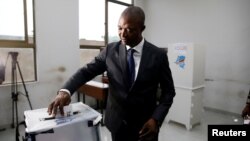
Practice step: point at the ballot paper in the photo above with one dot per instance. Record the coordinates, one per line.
(39, 120)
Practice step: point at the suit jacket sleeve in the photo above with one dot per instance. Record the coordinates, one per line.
(167, 90)
(87, 72)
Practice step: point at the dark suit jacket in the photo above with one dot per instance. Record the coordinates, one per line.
(135, 105)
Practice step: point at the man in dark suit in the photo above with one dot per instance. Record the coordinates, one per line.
(132, 111)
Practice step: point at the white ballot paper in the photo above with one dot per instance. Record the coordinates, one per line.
(38, 120)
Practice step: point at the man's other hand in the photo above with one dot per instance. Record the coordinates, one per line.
(149, 130)
(246, 111)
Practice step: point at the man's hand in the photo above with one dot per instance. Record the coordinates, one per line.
(62, 99)
(246, 111)
(149, 130)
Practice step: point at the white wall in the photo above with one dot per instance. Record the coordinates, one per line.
(223, 27)
(57, 56)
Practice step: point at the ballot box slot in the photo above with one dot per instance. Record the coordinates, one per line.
(52, 118)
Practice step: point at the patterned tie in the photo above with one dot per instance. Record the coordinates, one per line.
(131, 66)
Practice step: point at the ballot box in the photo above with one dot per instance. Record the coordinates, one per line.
(79, 124)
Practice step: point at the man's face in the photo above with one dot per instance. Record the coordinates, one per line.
(129, 31)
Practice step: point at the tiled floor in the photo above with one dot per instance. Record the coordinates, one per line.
(170, 131)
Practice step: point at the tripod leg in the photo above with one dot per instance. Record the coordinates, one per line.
(16, 114)
(13, 92)
(26, 92)
(14, 105)
(13, 114)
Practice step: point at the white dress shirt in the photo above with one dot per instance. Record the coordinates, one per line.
(137, 55)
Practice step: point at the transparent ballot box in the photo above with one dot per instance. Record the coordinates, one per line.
(79, 124)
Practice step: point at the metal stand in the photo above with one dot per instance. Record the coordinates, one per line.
(14, 88)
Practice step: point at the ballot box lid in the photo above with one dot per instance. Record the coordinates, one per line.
(38, 120)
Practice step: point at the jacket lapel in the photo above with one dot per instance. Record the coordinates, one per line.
(123, 62)
(144, 60)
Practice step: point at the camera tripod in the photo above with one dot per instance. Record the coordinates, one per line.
(14, 88)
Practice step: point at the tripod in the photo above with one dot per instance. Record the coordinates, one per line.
(14, 88)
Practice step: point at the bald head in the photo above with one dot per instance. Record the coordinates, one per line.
(134, 13)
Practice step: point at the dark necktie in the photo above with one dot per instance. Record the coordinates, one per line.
(131, 66)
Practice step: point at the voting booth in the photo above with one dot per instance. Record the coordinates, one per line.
(187, 63)
(79, 124)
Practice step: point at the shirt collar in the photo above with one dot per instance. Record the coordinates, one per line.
(138, 47)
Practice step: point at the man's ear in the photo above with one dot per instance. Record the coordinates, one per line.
(143, 28)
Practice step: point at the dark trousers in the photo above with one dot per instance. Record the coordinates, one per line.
(128, 133)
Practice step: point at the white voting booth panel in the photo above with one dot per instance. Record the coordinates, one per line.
(186, 61)
(81, 125)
